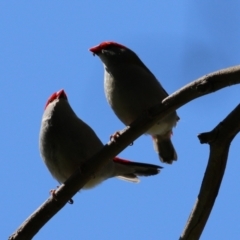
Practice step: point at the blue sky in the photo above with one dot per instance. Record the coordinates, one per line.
(44, 47)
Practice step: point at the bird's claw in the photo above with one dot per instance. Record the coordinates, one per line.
(113, 137)
(53, 194)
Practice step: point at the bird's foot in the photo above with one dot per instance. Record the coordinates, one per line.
(115, 136)
(54, 196)
(52, 192)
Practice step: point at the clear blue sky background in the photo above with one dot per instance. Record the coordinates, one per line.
(44, 47)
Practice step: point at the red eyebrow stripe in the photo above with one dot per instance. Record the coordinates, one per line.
(103, 45)
(55, 96)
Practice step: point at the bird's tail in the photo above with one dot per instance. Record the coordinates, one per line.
(164, 147)
(129, 171)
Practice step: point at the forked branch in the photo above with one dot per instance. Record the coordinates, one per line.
(219, 140)
(66, 191)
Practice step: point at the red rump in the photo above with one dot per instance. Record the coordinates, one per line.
(120, 160)
(103, 45)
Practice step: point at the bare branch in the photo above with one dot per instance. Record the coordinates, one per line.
(219, 140)
(66, 191)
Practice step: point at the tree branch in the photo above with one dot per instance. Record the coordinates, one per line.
(66, 191)
(219, 140)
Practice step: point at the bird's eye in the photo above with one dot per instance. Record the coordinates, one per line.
(108, 52)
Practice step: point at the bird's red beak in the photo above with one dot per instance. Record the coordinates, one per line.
(95, 49)
(61, 94)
